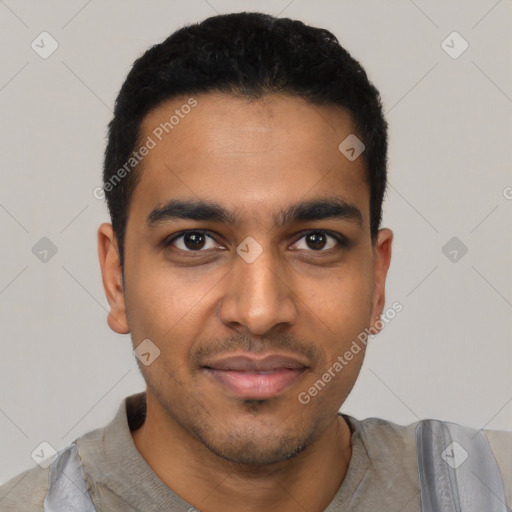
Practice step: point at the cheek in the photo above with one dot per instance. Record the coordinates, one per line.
(343, 301)
(344, 305)
(167, 306)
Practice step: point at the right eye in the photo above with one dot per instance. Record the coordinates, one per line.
(190, 241)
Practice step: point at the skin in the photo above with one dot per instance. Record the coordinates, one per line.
(215, 450)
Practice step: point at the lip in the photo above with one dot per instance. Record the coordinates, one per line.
(246, 376)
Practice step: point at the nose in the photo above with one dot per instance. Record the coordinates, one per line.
(258, 295)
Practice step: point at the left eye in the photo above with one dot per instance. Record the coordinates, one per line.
(319, 241)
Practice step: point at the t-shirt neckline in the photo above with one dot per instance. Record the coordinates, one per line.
(129, 475)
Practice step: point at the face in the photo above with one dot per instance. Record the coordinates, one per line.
(249, 265)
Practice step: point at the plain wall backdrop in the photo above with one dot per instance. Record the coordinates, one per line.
(446, 355)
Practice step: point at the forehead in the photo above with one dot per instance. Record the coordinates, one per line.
(249, 155)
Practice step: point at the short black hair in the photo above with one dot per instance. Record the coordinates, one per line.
(246, 54)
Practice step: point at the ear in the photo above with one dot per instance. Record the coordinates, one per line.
(381, 261)
(112, 278)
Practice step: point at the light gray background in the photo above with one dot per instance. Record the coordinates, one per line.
(447, 355)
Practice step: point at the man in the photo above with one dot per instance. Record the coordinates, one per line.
(244, 174)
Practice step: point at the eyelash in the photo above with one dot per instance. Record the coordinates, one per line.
(343, 243)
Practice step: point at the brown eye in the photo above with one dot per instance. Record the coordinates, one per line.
(321, 241)
(192, 241)
(316, 240)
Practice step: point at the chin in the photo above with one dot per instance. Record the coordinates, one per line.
(253, 445)
(251, 453)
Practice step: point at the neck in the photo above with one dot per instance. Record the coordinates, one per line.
(308, 481)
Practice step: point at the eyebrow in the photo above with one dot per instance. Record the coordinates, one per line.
(312, 210)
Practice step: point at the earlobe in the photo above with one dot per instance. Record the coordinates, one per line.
(112, 278)
(382, 260)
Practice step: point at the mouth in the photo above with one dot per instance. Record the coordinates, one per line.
(247, 377)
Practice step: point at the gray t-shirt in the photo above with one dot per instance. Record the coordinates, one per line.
(382, 473)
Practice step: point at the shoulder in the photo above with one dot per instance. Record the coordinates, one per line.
(391, 449)
(45, 487)
(437, 443)
(25, 492)
(501, 445)
(383, 437)
(500, 442)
